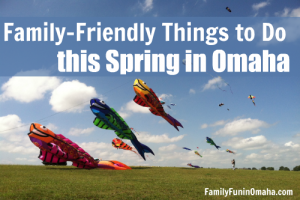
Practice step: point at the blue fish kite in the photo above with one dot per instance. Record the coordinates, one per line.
(211, 142)
(107, 118)
(187, 149)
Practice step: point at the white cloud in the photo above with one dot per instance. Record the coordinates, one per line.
(130, 108)
(257, 142)
(165, 96)
(78, 131)
(218, 123)
(20, 148)
(214, 83)
(297, 135)
(12, 128)
(28, 89)
(260, 5)
(51, 126)
(168, 148)
(71, 96)
(203, 126)
(291, 144)
(164, 138)
(163, 121)
(192, 91)
(241, 125)
(273, 154)
(287, 12)
(147, 5)
(21, 159)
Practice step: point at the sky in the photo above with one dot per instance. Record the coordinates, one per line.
(267, 134)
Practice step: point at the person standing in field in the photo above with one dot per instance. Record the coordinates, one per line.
(233, 164)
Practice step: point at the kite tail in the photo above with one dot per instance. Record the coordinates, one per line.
(139, 147)
(147, 149)
(173, 121)
(217, 147)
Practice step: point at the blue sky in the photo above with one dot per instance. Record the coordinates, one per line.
(267, 134)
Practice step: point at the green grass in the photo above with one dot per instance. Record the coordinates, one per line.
(53, 182)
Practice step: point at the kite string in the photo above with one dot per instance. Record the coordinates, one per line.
(42, 119)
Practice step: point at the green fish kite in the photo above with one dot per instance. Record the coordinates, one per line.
(211, 142)
(107, 118)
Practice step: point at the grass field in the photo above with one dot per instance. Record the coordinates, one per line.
(53, 182)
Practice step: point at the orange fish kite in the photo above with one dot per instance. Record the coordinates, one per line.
(147, 98)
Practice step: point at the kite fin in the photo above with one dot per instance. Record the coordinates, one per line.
(139, 101)
(154, 112)
(50, 158)
(173, 121)
(147, 149)
(119, 116)
(138, 146)
(217, 147)
(101, 124)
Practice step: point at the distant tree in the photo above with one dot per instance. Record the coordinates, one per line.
(270, 168)
(297, 168)
(249, 168)
(287, 169)
(253, 168)
(281, 168)
(263, 168)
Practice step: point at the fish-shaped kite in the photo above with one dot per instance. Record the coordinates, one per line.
(229, 151)
(107, 118)
(119, 144)
(211, 142)
(55, 148)
(195, 166)
(197, 153)
(147, 98)
(187, 149)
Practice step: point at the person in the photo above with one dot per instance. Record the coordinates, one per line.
(233, 164)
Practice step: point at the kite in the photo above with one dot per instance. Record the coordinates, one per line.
(211, 142)
(197, 153)
(227, 109)
(195, 166)
(119, 144)
(228, 9)
(183, 61)
(252, 98)
(107, 118)
(187, 149)
(56, 148)
(147, 98)
(221, 104)
(161, 101)
(229, 151)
